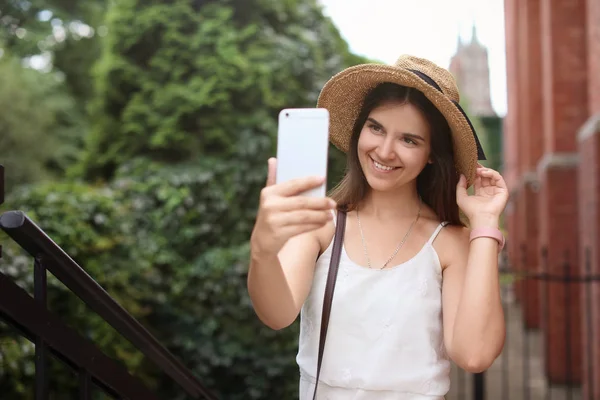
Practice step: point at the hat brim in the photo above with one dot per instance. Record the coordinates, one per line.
(344, 93)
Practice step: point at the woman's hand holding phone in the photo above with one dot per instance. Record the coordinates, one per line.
(283, 213)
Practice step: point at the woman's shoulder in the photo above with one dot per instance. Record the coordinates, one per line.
(446, 237)
(452, 242)
(449, 233)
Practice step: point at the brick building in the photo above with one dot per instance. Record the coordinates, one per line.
(552, 167)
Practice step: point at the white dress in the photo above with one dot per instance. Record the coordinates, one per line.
(385, 337)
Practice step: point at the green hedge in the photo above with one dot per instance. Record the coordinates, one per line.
(166, 244)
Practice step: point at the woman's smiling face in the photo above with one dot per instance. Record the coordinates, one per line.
(394, 146)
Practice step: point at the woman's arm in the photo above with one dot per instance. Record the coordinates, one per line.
(279, 284)
(474, 327)
(284, 246)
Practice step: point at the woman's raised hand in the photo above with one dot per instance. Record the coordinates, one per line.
(284, 213)
(488, 200)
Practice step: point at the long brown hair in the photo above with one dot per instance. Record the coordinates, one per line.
(436, 184)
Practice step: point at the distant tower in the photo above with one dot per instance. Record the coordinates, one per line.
(471, 70)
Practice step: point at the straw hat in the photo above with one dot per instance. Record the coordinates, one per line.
(344, 93)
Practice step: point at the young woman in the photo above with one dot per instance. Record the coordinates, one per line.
(416, 287)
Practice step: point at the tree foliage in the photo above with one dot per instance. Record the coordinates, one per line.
(47, 49)
(38, 125)
(180, 81)
(64, 31)
(184, 103)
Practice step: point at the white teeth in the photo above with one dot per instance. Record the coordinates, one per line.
(382, 167)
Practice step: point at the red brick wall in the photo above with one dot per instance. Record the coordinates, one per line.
(589, 200)
(523, 91)
(531, 259)
(593, 39)
(553, 80)
(510, 150)
(520, 229)
(560, 301)
(510, 135)
(525, 137)
(564, 86)
(534, 85)
(521, 141)
(533, 142)
(564, 70)
(589, 223)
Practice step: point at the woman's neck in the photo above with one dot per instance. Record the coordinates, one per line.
(386, 206)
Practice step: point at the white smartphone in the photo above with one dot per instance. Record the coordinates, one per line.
(303, 146)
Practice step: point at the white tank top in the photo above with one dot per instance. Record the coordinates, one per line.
(385, 337)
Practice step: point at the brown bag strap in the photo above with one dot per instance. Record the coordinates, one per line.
(338, 242)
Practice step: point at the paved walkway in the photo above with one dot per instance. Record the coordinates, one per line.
(508, 379)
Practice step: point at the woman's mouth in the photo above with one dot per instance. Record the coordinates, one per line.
(382, 167)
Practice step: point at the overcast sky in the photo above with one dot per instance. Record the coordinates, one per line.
(384, 29)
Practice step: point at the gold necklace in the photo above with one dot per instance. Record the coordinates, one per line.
(362, 236)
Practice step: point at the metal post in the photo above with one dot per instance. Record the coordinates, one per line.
(588, 318)
(41, 351)
(567, 275)
(546, 279)
(525, 285)
(479, 386)
(85, 385)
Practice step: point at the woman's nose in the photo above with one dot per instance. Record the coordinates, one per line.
(386, 149)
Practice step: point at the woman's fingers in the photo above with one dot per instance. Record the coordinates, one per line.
(294, 187)
(305, 203)
(304, 217)
(490, 177)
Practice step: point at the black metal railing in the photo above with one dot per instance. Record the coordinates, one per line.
(531, 366)
(32, 319)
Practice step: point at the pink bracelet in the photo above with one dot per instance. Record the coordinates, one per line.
(488, 232)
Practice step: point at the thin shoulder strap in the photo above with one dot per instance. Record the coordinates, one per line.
(338, 241)
(436, 232)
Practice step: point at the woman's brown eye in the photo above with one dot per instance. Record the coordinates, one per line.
(375, 128)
